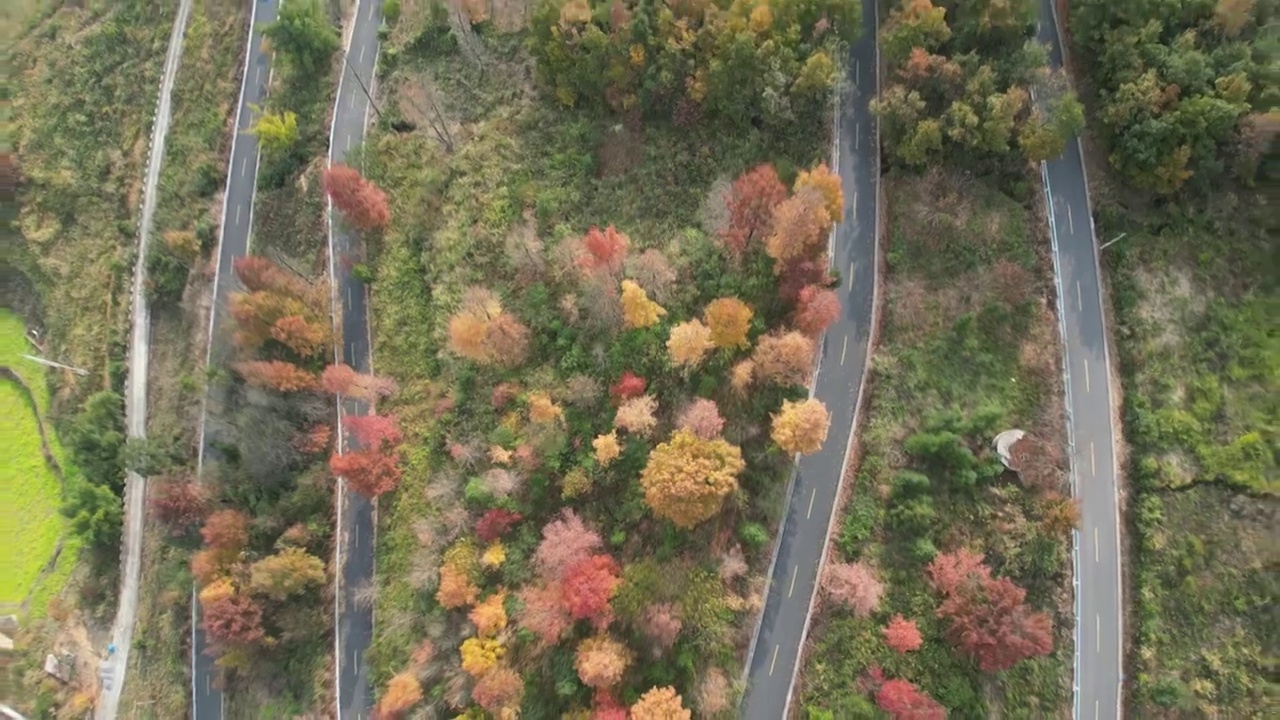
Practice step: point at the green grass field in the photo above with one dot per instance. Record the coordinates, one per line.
(29, 490)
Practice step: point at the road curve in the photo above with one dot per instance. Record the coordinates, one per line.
(115, 666)
(353, 621)
(233, 242)
(1099, 668)
(774, 658)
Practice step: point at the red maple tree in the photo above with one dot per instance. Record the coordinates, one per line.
(373, 432)
(495, 523)
(751, 202)
(902, 635)
(603, 250)
(816, 308)
(362, 203)
(368, 472)
(180, 505)
(589, 586)
(628, 386)
(989, 620)
(235, 619)
(904, 701)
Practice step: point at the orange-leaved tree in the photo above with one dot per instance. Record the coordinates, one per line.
(660, 703)
(482, 331)
(362, 203)
(403, 692)
(785, 359)
(800, 226)
(601, 661)
(275, 375)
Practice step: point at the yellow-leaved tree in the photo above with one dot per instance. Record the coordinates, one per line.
(687, 478)
(827, 184)
(638, 311)
(479, 656)
(801, 427)
(689, 343)
(607, 448)
(729, 320)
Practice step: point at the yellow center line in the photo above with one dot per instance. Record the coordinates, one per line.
(812, 495)
(774, 661)
(794, 571)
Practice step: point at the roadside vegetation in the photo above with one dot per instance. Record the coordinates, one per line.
(1186, 111)
(259, 520)
(180, 273)
(948, 591)
(600, 283)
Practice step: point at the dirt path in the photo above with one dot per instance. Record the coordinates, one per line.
(135, 402)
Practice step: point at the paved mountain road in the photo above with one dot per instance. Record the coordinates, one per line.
(1099, 606)
(353, 620)
(773, 660)
(114, 667)
(233, 242)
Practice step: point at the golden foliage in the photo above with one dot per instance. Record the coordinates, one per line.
(494, 555)
(687, 478)
(689, 343)
(801, 427)
(827, 184)
(638, 311)
(607, 448)
(740, 376)
(542, 410)
(480, 655)
(729, 319)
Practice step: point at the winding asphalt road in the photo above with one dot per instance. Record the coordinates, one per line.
(354, 550)
(113, 668)
(773, 660)
(1099, 665)
(233, 243)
